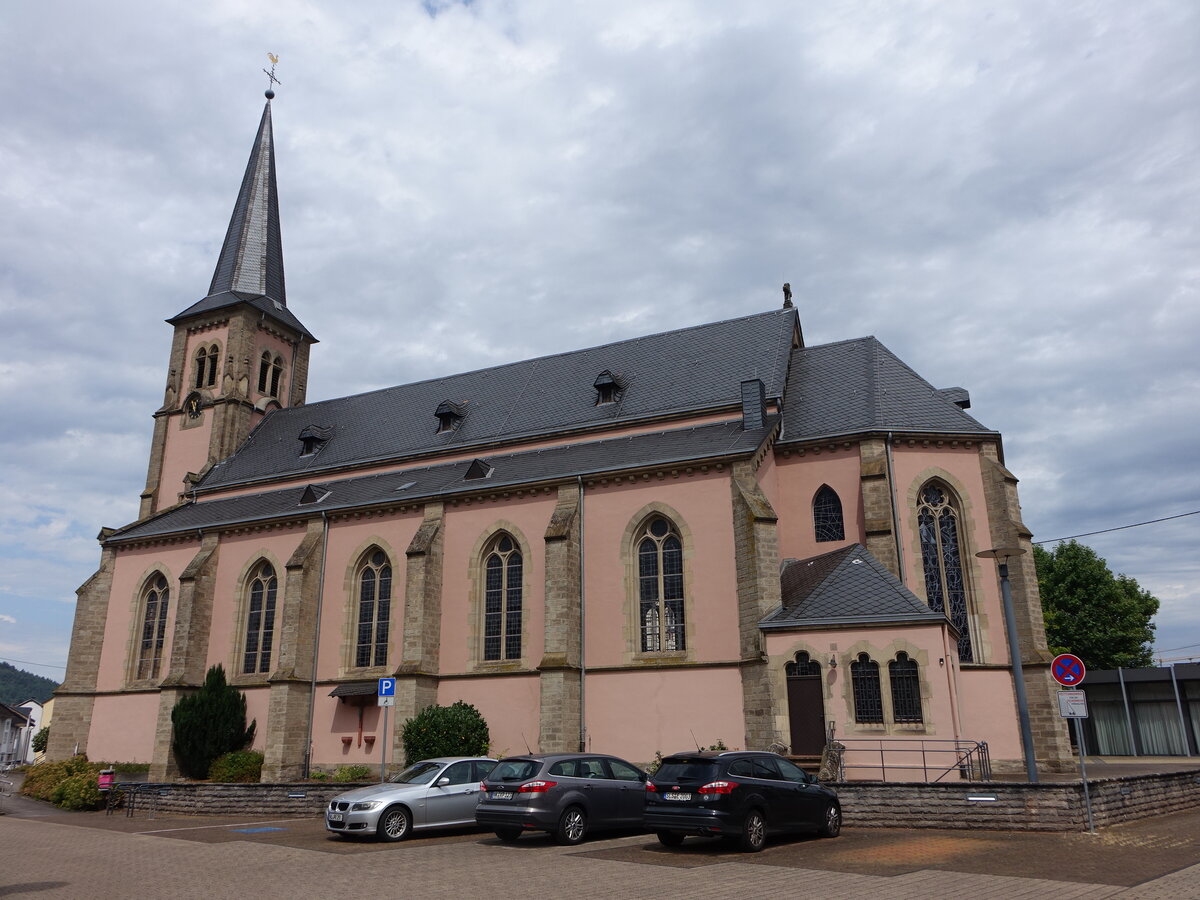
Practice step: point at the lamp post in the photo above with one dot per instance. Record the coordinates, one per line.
(1002, 555)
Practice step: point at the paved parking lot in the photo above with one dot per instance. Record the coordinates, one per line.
(48, 854)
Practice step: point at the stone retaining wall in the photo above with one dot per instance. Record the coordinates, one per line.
(1011, 807)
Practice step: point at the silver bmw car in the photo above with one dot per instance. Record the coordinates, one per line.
(432, 793)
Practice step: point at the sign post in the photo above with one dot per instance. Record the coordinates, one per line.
(386, 697)
(1069, 670)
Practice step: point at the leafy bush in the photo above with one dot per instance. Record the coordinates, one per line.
(318, 775)
(238, 767)
(40, 740)
(78, 792)
(455, 730)
(209, 723)
(42, 780)
(353, 773)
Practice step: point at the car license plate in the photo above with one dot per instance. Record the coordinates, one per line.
(335, 817)
(670, 795)
(502, 795)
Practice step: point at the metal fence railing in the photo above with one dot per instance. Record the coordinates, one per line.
(884, 759)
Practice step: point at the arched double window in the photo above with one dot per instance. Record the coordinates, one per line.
(270, 370)
(941, 560)
(206, 366)
(906, 689)
(502, 598)
(868, 699)
(374, 609)
(660, 587)
(827, 515)
(156, 597)
(260, 620)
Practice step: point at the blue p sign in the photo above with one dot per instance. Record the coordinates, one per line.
(387, 687)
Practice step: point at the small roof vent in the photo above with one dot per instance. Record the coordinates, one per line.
(450, 415)
(478, 469)
(959, 396)
(609, 386)
(313, 438)
(314, 493)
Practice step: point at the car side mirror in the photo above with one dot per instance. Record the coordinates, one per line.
(443, 781)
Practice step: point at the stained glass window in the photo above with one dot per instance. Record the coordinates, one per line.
(906, 689)
(374, 610)
(827, 515)
(156, 600)
(260, 621)
(802, 666)
(945, 587)
(660, 587)
(502, 596)
(868, 700)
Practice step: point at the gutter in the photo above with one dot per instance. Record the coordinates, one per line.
(312, 694)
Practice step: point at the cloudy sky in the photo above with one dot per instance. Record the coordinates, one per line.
(1005, 194)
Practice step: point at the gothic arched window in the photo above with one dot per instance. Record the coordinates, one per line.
(941, 560)
(270, 369)
(502, 596)
(374, 609)
(260, 620)
(206, 366)
(868, 700)
(827, 515)
(906, 689)
(803, 666)
(660, 587)
(156, 598)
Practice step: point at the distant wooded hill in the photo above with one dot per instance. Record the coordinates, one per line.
(17, 685)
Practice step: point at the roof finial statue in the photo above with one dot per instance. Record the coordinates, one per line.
(787, 295)
(271, 75)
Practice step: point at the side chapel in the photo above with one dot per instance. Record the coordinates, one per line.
(717, 533)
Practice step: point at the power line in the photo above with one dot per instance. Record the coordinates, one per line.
(1118, 528)
(1184, 647)
(27, 662)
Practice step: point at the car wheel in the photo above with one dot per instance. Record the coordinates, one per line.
(508, 835)
(670, 838)
(572, 826)
(394, 824)
(831, 821)
(754, 831)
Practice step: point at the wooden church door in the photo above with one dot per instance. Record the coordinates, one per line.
(806, 706)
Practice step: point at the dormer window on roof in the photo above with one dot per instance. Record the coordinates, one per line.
(608, 387)
(313, 438)
(314, 493)
(450, 415)
(479, 469)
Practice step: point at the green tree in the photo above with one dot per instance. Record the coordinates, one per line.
(209, 723)
(455, 730)
(40, 740)
(1102, 618)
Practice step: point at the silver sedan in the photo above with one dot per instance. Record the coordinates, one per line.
(432, 793)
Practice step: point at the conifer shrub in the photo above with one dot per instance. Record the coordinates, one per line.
(454, 730)
(209, 723)
(238, 767)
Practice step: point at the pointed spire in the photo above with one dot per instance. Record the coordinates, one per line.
(251, 260)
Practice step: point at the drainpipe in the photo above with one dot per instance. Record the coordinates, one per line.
(582, 630)
(1183, 729)
(887, 447)
(1128, 718)
(312, 693)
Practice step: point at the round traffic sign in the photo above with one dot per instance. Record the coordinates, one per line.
(1067, 669)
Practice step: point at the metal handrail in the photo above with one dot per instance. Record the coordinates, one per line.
(970, 759)
(129, 791)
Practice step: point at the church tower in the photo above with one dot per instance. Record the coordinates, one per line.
(238, 353)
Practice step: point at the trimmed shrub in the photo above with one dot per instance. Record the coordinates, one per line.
(353, 773)
(209, 723)
(238, 767)
(78, 792)
(455, 730)
(42, 780)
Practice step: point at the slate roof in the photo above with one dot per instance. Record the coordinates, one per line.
(250, 265)
(855, 386)
(688, 370)
(845, 587)
(677, 447)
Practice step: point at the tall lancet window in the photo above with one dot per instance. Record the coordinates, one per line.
(374, 610)
(502, 599)
(260, 620)
(156, 599)
(941, 559)
(270, 370)
(827, 515)
(206, 366)
(660, 587)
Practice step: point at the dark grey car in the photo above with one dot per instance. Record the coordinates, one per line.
(566, 794)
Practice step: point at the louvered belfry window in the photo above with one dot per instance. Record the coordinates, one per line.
(660, 587)
(868, 699)
(260, 620)
(502, 600)
(945, 587)
(374, 610)
(906, 689)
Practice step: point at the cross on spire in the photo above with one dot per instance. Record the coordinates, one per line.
(271, 75)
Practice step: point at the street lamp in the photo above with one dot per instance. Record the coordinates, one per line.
(1002, 555)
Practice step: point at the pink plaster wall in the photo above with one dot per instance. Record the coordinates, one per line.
(186, 451)
(797, 479)
(258, 702)
(333, 721)
(511, 707)
(989, 711)
(113, 736)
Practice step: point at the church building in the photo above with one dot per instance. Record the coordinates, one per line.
(713, 534)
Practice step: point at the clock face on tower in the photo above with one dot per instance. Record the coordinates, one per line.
(192, 405)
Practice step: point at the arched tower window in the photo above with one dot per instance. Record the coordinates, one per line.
(868, 700)
(155, 602)
(906, 689)
(502, 598)
(206, 366)
(660, 586)
(827, 515)
(260, 620)
(374, 609)
(945, 587)
(270, 370)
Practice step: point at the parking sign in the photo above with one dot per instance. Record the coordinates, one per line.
(387, 687)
